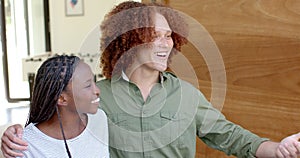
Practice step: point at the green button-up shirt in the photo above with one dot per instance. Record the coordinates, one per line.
(167, 123)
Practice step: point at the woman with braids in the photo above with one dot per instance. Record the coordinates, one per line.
(151, 112)
(60, 123)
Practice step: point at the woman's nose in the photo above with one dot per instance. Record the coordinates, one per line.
(97, 90)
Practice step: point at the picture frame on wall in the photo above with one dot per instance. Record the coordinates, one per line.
(74, 7)
(161, 1)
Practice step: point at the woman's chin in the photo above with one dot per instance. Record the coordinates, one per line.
(93, 111)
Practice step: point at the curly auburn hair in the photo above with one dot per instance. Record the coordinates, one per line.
(130, 24)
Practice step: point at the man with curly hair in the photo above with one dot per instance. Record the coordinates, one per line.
(151, 112)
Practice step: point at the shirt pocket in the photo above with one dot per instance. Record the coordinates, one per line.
(117, 123)
(174, 125)
(118, 119)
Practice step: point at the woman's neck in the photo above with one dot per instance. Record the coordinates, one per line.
(72, 124)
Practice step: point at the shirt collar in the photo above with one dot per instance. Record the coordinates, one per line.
(161, 75)
(124, 76)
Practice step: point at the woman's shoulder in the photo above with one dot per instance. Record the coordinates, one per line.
(97, 126)
(30, 128)
(98, 119)
(32, 133)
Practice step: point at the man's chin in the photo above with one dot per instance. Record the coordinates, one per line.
(161, 67)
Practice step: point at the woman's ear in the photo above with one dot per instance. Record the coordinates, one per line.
(62, 100)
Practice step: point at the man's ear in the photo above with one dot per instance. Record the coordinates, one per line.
(62, 100)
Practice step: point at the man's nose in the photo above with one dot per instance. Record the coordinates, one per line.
(164, 42)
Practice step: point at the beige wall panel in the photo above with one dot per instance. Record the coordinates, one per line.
(260, 45)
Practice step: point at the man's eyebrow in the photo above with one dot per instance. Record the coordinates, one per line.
(167, 31)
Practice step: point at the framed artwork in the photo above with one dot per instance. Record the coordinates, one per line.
(74, 7)
(161, 1)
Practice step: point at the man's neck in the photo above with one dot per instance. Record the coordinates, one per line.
(144, 79)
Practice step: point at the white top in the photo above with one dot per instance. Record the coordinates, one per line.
(92, 142)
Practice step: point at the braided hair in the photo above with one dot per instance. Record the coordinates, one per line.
(51, 80)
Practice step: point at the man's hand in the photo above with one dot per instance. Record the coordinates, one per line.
(11, 141)
(289, 147)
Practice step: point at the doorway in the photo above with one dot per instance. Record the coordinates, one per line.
(24, 32)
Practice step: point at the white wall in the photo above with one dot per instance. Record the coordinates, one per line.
(68, 32)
